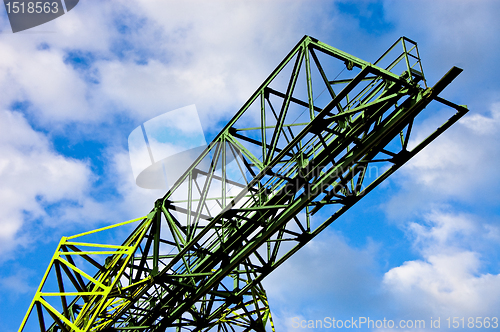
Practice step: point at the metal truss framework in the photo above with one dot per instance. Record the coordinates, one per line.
(304, 142)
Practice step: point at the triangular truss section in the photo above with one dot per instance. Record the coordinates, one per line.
(306, 141)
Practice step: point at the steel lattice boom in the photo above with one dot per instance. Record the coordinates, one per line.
(298, 154)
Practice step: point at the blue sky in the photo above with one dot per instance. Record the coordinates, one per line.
(425, 244)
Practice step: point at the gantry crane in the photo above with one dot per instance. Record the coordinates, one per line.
(298, 154)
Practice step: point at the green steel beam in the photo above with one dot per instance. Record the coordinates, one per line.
(306, 141)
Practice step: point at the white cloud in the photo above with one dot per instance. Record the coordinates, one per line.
(34, 176)
(441, 231)
(150, 57)
(453, 30)
(460, 164)
(450, 279)
(446, 285)
(134, 201)
(53, 90)
(483, 125)
(212, 54)
(327, 277)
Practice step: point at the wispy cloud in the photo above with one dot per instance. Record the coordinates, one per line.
(33, 177)
(450, 279)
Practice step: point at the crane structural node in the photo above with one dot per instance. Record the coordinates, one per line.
(322, 131)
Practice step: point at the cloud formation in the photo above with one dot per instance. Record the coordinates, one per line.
(450, 279)
(34, 177)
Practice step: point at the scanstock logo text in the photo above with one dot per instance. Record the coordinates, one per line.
(28, 13)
